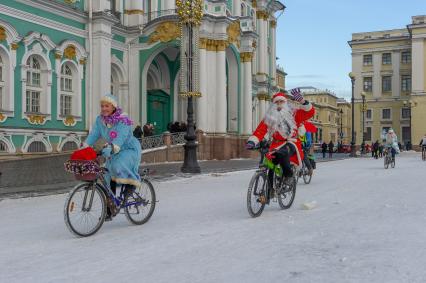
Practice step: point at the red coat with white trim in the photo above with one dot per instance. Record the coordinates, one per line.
(304, 113)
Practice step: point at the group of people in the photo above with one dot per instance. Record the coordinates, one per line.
(147, 130)
(327, 147)
(390, 142)
(177, 127)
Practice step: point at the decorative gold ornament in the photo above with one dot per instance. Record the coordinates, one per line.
(190, 11)
(254, 4)
(58, 56)
(246, 57)
(263, 96)
(216, 45)
(69, 121)
(262, 15)
(234, 32)
(190, 94)
(14, 46)
(83, 61)
(273, 24)
(254, 44)
(3, 34)
(36, 119)
(203, 43)
(70, 1)
(133, 12)
(2, 118)
(70, 52)
(165, 32)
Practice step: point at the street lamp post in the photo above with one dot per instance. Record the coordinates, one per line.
(190, 14)
(341, 127)
(353, 152)
(409, 105)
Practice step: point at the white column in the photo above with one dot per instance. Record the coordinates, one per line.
(377, 77)
(237, 7)
(273, 51)
(211, 89)
(247, 99)
(221, 114)
(262, 109)
(168, 5)
(396, 77)
(262, 43)
(202, 101)
(418, 65)
(101, 84)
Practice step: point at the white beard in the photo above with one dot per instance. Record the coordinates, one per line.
(281, 121)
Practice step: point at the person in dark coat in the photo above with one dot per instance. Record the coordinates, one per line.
(376, 149)
(324, 149)
(380, 150)
(137, 132)
(330, 149)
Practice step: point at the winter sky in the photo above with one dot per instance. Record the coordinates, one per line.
(312, 36)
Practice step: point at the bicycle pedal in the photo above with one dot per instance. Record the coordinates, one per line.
(262, 199)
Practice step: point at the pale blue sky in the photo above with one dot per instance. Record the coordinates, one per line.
(312, 36)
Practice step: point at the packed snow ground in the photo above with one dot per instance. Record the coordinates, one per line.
(368, 225)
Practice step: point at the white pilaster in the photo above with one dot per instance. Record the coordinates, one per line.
(221, 114)
(211, 90)
(247, 99)
(396, 77)
(418, 65)
(201, 112)
(377, 78)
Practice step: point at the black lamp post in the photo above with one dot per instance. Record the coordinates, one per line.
(341, 127)
(363, 117)
(409, 105)
(353, 149)
(190, 14)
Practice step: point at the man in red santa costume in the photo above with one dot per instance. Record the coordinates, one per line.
(284, 123)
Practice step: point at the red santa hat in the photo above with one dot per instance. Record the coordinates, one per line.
(279, 96)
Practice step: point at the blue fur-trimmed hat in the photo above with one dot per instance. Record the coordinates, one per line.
(109, 98)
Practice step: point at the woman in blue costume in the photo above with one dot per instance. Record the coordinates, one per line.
(123, 150)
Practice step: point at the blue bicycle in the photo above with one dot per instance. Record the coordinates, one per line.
(87, 204)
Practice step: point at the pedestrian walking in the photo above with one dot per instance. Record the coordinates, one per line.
(324, 149)
(330, 149)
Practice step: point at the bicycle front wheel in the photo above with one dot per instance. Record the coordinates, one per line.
(306, 176)
(256, 194)
(393, 163)
(287, 194)
(85, 209)
(386, 160)
(140, 204)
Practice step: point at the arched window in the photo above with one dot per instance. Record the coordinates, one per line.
(1, 83)
(243, 9)
(3, 146)
(37, 146)
(34, 88)
(67, 90)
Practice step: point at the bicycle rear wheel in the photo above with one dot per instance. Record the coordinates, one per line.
(386, 160)
(140, 204)
(287, 194)
(256, 194)
(306, 177)
(423, 154)
(85, 209)
(393, 162)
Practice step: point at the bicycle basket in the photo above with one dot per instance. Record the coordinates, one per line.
(83, 170)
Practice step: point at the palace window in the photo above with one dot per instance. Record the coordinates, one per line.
(66, 90)
(367, 134)
(406, 83)
(34, 89)
(405, 113)
(406, 57)
(368, 60)
(386, 83)
(386, 114)
(369, 114)
(386, 58)
(368, 84)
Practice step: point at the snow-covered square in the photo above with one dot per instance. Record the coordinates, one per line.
(364, 224)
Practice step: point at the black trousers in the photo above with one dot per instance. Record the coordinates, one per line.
(282, 157)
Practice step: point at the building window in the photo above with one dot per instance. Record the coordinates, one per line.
(406, 57)
(368, 60)
(406, 83)
(386, 114)
(367, 134)
(386, 83)
(386, 58)
(369, 114)
(34, 89)
(368, 84)
(32, 101)
(66, 90)
(405, 113)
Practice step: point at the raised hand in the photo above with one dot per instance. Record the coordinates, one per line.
(297, 95)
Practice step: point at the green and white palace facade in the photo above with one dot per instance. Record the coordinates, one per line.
(58, 57)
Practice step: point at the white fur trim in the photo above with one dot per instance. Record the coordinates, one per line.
(279, 98)
(109, 100)
(115, 148)
(292, 141)
(253, 139)
(306, 107)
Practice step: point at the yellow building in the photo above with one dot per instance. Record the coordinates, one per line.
(328, 117)
(389, 68)
(280, 78)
